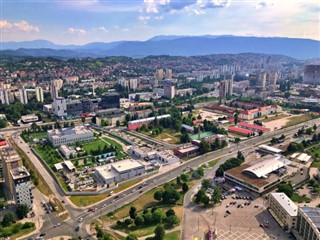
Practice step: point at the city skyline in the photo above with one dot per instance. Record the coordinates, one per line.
(81, 22)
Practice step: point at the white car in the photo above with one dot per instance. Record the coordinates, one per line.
(80, 219)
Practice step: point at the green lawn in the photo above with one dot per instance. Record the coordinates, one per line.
(213, 162)
(173, 235)
(93, 146)
(315, 164)
(171, 134)
(119, 139)
(48, 154)
(297, 198)
(28, 137)
(113, 143)
(298, 119)
(82, 201)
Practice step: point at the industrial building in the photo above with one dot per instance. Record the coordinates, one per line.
(269, 150)
(67, 136)
(22, 187)
(283, 209)
(119, 171)
(253, 127)
(29, 118)
(240, 131)
(187, 151)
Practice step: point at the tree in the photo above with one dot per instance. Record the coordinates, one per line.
(170, 195)
(200, 171)
(8, 218)
(206, 183)
(204, 147)
(185, 138)
(260, 133)
(171, 221)
(286, 188)
(157, 195)
(159, 233)
(148, 218)
(131, 236)
(178, 181)
(205, 200)
(184, 177)
(83, 119)
(138, 221)
(314, 127)
(237, 140)
(22, 211)
(133, 212)
(118, 123)
(170, 212)
(236, 117)
(216, 195)
(3, 123)
(158, 215)
(185, 187)
(199, 196)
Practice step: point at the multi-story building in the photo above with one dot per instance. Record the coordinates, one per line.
(133, 83)
(39, 94)
(263, 80)
(66, 136)
(10, 160)
(29, 118)
(308, 224)
(4, 96)
(133, 125)
(22, 187)
(23, 96)
(59, 107)
(311, 74)
(56, 85)
(283, 209)
(111, 100)
(119, 171)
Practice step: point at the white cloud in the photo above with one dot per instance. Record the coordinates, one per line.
(144, 19)
(199, 11)
(77, 31)
(125, 30)
(213, 3)
(100, 29)
(22, 26)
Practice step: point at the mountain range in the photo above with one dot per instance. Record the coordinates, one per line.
(169, 45)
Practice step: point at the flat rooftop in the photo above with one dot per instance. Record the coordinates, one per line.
(19, 172)
(126, 165)
(57, 133)
(289, 206)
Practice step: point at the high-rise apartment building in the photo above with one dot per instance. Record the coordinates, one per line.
(311, 74)
(226, 88)
(23, 96)
(56, 85)
(159, 74)
(308, 224)
(39, 94)
(263, 80)
(168, 89)
(22, 187)
(169, 73)
(133, 83)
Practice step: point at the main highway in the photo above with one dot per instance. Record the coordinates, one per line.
(118, 200)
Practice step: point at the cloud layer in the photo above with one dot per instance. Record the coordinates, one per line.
(22, 26)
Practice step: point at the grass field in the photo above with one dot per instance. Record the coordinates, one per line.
(28, 137)
(119, 139)
(297, 198)
(170, 133)
(48, 154)
(93, 146)
(272, 118)
(23, 232)
(173, 235)
(315, 164)
(83, 201)
(298, 119)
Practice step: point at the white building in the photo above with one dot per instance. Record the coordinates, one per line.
(166, 157)
(39, 94)
(119, 171)
(70, 166)
(4, 96)
(22, 186)
(23, 96)
(29, 118)
(283, 209)
(59, 107)
(66, 151)
(66, 136)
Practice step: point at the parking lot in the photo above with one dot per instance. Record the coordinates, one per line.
(240, 218)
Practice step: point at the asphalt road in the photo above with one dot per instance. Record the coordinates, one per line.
(68, 228)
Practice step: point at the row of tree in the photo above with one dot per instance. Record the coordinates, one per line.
(230, 163)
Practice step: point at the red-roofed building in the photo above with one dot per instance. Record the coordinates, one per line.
(197, 121)
(240, 131)
(3, 142)
(253, 127)
(259, 112)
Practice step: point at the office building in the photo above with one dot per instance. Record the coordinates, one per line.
(39, 94)
(159, 74)
(119, 171)
(308, 224)
(22, 186)
(66, 136)
(283, 209)
(226, 88)
(110, 100)
(133, 83)
(10, 160)
(263, 80)
(4, 96)
(169, 73)
(23, 96)
(311, 74)
(59, 107)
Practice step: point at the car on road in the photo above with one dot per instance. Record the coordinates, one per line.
(80, 219)
(141, 191)
(42, 234)
(90, 209)
(77, 229)
(133, 190)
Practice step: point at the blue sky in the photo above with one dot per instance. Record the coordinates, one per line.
(84, 21)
